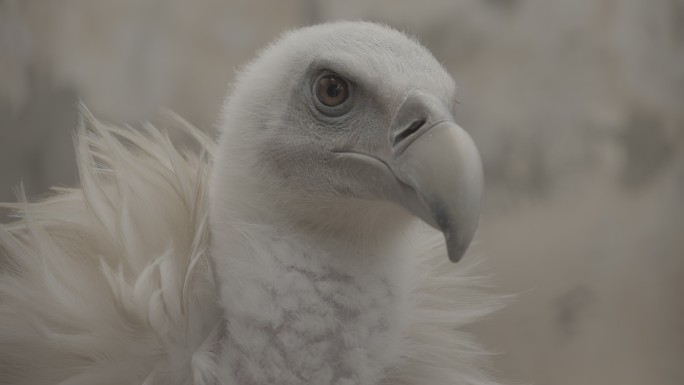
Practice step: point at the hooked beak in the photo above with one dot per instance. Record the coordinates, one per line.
(432, 169)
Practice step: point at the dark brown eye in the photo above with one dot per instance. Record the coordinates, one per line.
(332, 90)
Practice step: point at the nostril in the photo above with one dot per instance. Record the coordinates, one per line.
(408, 131)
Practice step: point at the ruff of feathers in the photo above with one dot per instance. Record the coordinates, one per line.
(111, 283)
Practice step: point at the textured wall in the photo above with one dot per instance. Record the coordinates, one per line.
(577, 106)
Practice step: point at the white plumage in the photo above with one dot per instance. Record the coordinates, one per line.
(266, 258)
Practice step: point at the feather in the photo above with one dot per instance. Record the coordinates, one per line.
(97, 280)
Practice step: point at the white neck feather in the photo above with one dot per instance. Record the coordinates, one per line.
(300, 308)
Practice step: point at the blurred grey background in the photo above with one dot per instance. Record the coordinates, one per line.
(577, 107)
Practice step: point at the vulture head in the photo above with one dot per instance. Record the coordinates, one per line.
(333, 122)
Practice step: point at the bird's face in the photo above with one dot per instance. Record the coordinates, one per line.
(356, 111)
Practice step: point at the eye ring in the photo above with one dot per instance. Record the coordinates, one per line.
(332, 94)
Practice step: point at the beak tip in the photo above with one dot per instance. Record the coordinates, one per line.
(457, 242)
(455, 250)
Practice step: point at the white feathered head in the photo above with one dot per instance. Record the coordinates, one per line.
(341, 119)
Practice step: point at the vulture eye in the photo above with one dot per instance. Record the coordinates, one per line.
(331, 91)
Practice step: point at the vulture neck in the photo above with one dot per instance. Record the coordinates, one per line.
(307, 301)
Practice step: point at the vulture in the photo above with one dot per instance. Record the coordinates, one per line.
(309, 244)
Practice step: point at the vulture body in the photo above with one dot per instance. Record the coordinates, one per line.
(288, 252)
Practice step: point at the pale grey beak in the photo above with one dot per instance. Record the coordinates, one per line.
(439, 160)
(435, 170)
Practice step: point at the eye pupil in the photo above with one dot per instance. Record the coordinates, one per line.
(332, 90)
